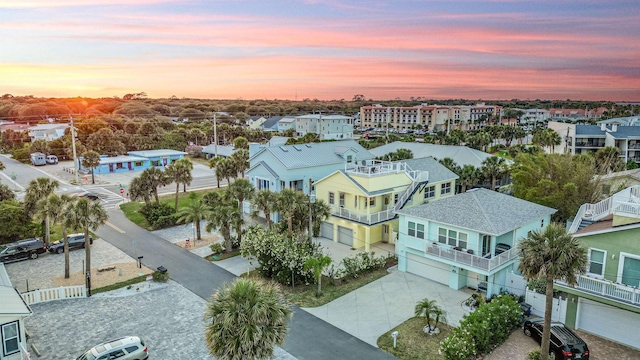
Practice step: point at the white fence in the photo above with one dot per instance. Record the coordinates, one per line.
(537, 302)
(61, 293)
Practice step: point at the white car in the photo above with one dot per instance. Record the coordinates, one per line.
(124, 348)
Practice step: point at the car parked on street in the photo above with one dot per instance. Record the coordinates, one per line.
(89, 195)
(76, 241)
(22, 249)
(565, 344)
(124, 348)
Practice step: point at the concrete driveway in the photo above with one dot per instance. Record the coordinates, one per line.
(376, 308)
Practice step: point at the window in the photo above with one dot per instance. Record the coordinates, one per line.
(355, 201)
(430, 192)
(262, 184)
(596, 262)
(372, 201)
(416, 230)
(332, 198)
(156, 163)
(349, 159)
(137, 163)
(119, 166)
(341, 199)
(445, 189)
(452, 238)
(10, 338)
(116, 354)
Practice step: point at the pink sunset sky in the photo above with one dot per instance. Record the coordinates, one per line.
(324, 49)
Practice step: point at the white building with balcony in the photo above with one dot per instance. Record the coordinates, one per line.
(467, 240)
(328, 127)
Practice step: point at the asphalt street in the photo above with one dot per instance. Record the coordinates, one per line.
(309, 337)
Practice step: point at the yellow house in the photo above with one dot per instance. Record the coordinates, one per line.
(364, 199)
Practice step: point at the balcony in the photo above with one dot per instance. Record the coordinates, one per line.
(469, 260)
(371, 168)
(364, 218)
(608, 289)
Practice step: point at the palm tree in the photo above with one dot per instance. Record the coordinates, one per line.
(317, 264)
(180, 172)
(38, 189)
(246, 320)
(240, 161)
(194, 212)
(64, 203)
(6, 193)
(430, 310)
(138, 189)
(320, 211)
(91, 159)
(226, 169)
(86, 215)
(241, 190)
(286, 206)
(493, 168)
(469, 176)
(152, 178)
(241, 143)
(222, 218)
(265, 201)
(213, 164)
(1, 166)
(551, 254)
(47, 210)
(450, 164)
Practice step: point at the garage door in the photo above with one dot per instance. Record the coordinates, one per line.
(345, 236)
(326, 230)
(609, 322)
(427, 268)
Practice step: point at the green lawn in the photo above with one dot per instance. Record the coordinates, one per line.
(131, 209)
(413, 342)
(224, 255)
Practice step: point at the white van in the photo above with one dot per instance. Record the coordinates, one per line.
(52, 159)
(125, 348)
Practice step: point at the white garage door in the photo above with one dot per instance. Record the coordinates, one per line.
(345, 236)
(326, 231)
(609, 322)
(427, 268)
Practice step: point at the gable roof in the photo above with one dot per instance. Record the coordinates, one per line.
(462, 155)
(314, 154)
(271, 122)
(12, 303)
(264, 164)
(482, 210)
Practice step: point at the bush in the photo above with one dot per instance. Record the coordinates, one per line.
(216, 248)
(159, 215)
(160, 276)
(538, 285)
(534, 355)
(362, 262)
(278, 256)
(488, 327)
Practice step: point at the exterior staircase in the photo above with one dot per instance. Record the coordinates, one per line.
(420, 179)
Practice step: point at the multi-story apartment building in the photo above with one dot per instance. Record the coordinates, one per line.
(578, 114)
(328, 127)
(432, 117)
(534, 115)
(581, 139)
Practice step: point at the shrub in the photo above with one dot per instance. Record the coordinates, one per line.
(458, 345)
(278, 256)
(216, 248)
(158, 215)
(160, 276)
(538, 285)
(362, 262)
(488, 327)
(534, 355)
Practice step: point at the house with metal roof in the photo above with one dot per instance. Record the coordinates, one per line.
(286, 123)
(582, 139)
(135, 161)
(364, 199)
(47, 132)
(462, 155)
(606, 299)
(328, 127)
(255, 122)
(12, 313)
(467, 240)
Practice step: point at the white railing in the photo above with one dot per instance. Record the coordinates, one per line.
(626, 208)
(608, 206)
(418, 178)
(364, 218)
(577, 220)
(372, 168)
(593, 211)
(463, 258)
(608, 289)
(61, 293)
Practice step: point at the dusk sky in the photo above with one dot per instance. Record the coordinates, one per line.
(324, 49)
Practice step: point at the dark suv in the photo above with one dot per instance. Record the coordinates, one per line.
(565, 344)
(76, 241)
(21, 249)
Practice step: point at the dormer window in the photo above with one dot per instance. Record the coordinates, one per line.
(349, 159)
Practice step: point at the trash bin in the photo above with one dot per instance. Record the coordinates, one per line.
(526, 309)
(162, 269)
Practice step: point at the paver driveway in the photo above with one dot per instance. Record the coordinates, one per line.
(376, 308)
(169, 319)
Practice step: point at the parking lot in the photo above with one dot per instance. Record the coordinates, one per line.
(168, 317)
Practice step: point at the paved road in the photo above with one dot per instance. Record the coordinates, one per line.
(309, 337)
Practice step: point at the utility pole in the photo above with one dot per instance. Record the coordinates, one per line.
(73, 145)
(311, 201)
(215, 136)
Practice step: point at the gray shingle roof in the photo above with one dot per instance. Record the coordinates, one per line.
(437, 171)
(462, 155)
(315, 154)
(271, 122)
(481, 210)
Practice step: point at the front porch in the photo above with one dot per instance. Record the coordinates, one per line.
(619, 293)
